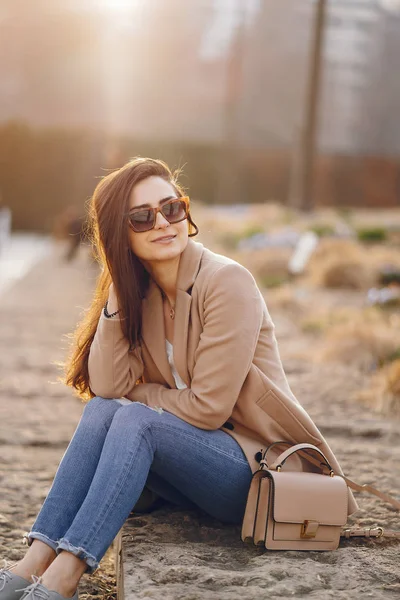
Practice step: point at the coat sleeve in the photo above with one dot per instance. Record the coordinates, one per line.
(233, 314)
(113, 371)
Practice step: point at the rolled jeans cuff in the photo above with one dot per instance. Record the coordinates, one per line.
(36, 535)
(91, 561)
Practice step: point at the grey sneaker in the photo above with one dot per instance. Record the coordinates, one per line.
(37, 591)
(10, 582)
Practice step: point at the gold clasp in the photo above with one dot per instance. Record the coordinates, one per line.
(309, 529)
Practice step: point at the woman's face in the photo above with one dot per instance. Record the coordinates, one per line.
(152, 191)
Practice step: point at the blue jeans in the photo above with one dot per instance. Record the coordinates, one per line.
(119, 447)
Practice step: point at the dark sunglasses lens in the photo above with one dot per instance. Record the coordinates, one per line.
(174, 211)
(142, 220)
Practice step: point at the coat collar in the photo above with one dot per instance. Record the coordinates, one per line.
(153, 330)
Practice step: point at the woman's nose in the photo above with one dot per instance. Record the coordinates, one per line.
(161, 221)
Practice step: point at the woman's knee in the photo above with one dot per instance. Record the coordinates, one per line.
(136, 415)
(100, 411)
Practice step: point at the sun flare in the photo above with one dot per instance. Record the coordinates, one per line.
(119, 5)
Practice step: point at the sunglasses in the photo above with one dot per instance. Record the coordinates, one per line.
(144, 219)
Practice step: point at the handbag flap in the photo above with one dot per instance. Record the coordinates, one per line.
(300, 496)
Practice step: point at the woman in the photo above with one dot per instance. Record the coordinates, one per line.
(178, 358)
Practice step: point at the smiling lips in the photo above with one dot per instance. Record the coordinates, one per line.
(165, 238)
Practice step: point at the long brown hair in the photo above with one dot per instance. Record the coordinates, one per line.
(107, 229)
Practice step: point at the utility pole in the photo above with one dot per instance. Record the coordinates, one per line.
(301, 193)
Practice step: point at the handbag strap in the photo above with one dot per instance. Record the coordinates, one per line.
(348, 532)
(279, 462)
(371, 490)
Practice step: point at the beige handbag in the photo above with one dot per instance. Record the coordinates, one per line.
(298, 510)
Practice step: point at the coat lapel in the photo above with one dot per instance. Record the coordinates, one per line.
(181, 330)
(153, 330)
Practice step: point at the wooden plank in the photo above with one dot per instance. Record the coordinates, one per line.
(119, 567)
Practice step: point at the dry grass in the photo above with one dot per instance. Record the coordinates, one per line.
(266, 264)
(102, 584)
(272, 214)
(336, 263)
(288, 300)
(340, 264)
(366, 338)
(349, 264)
(383, 392)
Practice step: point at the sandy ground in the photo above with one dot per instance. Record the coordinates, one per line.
(38, 415)
(171, 554)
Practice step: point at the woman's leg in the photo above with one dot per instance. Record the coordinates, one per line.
(70, 486)
(208, 467)
(163, 488)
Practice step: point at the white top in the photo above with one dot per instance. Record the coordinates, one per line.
(180, 384)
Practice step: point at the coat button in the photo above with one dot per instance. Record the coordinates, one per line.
(228, 425)
(258, 456)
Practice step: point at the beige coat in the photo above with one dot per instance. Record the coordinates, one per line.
(225, 351)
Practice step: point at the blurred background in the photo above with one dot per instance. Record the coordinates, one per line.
(284, 115)
(292, 101)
